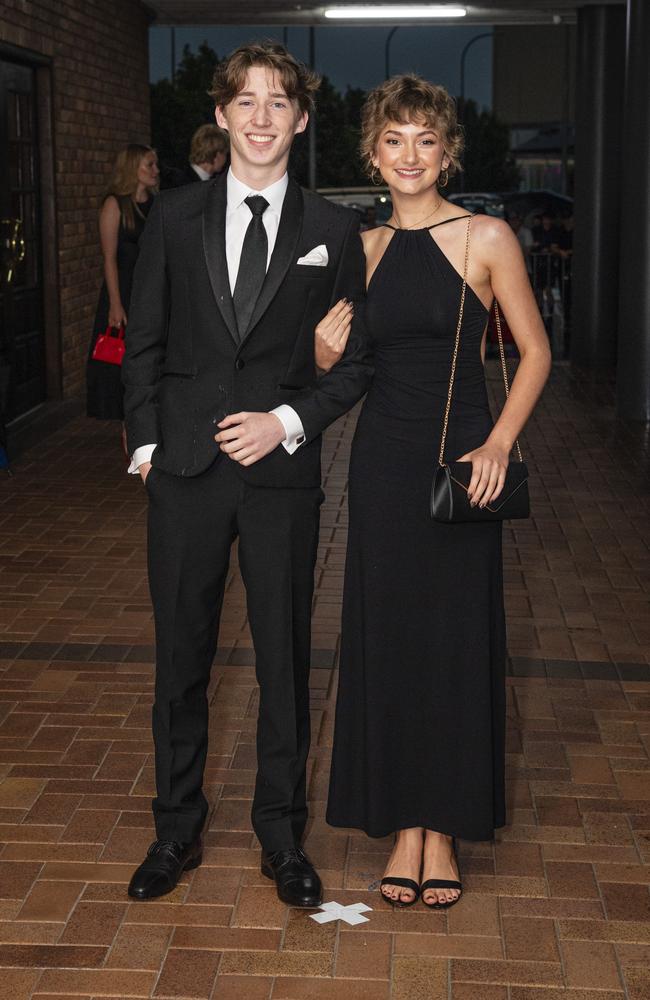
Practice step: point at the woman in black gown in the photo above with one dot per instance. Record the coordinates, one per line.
(419, 740)
(121, 220)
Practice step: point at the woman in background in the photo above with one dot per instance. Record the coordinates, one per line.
(122, 217)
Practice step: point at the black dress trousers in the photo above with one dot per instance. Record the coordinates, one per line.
(192, 524)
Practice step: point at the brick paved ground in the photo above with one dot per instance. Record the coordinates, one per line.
(557, 908)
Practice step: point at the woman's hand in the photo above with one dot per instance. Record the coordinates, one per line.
(489, 466)
(116, 316)
(332, 334)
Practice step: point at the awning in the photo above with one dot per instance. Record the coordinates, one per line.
(308, 12)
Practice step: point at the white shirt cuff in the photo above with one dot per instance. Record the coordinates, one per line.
(293, 430)
(141, 455)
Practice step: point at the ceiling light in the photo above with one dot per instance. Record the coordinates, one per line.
(387, 12)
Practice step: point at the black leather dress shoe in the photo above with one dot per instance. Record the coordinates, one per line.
(295, 877)
(163, 866)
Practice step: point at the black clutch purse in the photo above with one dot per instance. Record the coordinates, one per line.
(449, 500)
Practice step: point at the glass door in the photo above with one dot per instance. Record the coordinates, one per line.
(22, 349)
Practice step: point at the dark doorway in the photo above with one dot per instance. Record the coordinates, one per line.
(22, 346)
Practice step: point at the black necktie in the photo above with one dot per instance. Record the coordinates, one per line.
(252, 264)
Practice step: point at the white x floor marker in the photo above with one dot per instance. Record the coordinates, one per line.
(335, 911)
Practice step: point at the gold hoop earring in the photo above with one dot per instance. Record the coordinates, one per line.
(443, 178)
(375, 175)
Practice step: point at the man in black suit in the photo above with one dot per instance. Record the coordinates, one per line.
(224, 413)
(208, 157)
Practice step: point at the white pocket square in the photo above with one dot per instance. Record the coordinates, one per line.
(316, 258)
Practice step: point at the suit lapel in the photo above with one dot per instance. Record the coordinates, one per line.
(214, 248)
(283, 252)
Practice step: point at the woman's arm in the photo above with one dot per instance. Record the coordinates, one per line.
(497, 249)
(109, 225)
(340, 388)
(146, 340)
(331, 334)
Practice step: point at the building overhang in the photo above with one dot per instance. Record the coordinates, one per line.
(309, 12)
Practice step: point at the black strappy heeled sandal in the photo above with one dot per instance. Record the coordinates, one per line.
(403, 883)
(443, 883)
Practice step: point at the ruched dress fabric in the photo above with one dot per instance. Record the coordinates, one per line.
(420, 717)
(104, 391)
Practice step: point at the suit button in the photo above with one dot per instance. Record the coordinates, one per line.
(239, 364)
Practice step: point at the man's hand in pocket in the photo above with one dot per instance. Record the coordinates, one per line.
(144, 470)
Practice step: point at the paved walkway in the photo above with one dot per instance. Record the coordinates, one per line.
(557, 909)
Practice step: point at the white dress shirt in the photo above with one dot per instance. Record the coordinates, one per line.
(202, 174)
(238, 216)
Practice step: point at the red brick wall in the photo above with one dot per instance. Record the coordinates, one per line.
(100, 73)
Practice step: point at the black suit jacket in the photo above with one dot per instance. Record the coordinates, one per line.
(185, 368)
(172, 177)
(187, 176)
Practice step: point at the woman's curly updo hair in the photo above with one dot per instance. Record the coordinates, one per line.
(410, 98)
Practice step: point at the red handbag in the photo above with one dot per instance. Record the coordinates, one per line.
(110, 345)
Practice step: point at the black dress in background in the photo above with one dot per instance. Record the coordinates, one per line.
(104, 391)
(419, 739)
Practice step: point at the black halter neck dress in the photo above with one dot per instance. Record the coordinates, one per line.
(419, 736)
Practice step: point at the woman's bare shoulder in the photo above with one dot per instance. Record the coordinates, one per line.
(494, 240)
(373, 238)
(110, 207)
(369, 237)
(490, 229)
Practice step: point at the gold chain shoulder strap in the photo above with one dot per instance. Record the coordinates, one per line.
(452, 374)
(454, 359)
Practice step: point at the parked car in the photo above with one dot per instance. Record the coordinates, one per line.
(479, 201)
(528, 204)
(537, 202)
(372, 203)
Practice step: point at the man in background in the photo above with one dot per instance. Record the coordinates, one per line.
(209, 150)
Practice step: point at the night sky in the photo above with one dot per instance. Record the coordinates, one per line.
(354, 55)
